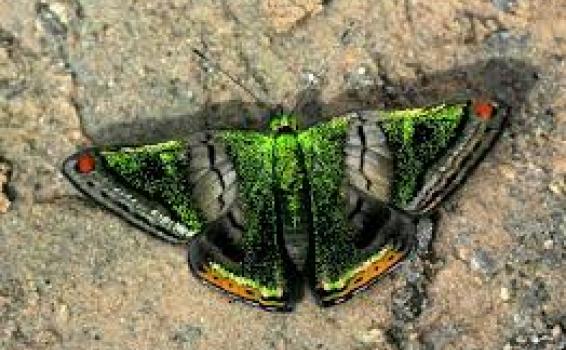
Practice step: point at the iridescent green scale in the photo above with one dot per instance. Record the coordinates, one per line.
(336, 203)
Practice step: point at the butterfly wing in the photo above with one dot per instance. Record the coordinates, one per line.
(145, 185)
(371, 172)
(436, 147)
(195, 192)
(241, 252)
(356, 236)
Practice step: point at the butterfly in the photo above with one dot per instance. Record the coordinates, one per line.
(261, 211)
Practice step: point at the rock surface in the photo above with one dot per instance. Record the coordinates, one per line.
(73, 276)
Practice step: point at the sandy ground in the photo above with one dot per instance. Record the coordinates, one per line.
(74, 72)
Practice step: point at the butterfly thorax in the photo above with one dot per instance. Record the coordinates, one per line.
(283, 123)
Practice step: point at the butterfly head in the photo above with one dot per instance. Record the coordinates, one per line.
(282, 123)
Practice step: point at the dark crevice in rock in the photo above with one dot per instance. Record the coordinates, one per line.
(13, 46)
(7, 39)
(474, 20)
(58, 32)
(409, 302)
(407, 4)
(7, 192)
(50, 21)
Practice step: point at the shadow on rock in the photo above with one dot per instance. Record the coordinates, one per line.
(505, 80)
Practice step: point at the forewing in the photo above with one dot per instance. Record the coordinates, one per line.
(146, 185)
(241, 252)
(436, 147)
(356, 236)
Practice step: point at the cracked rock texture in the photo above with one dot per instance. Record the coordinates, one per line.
(72, 72)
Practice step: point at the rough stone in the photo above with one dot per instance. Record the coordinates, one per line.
(187, 335)
(504, 5)
(482, 262)
(5, 174)
(75, 72)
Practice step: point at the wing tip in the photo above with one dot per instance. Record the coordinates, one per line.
(86, 182)
(489, 110)
(71, 165)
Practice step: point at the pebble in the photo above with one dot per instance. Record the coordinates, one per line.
(482, 262)
(548, 244)
(504, 5)
(374, 336)
(4, 204)
(556, 188)
(508, 172)
(556, 331)
(60, 11)
(521, 339)
(505, 294)
(187, 335)
(504, 40)
(425, 231)
(62, 314)
(311, 79)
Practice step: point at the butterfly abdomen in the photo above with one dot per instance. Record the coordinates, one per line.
(292, 202)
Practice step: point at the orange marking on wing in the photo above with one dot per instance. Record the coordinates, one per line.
(483, 109)
(86, 163)
(230, 286)
(369, 274)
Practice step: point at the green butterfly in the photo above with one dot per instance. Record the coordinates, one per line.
(336, 203)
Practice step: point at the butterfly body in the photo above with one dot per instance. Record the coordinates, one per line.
(335, 203)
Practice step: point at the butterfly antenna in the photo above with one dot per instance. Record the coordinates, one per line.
(210, 63)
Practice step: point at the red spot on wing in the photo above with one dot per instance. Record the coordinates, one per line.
(86, 163)
(483, 110)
